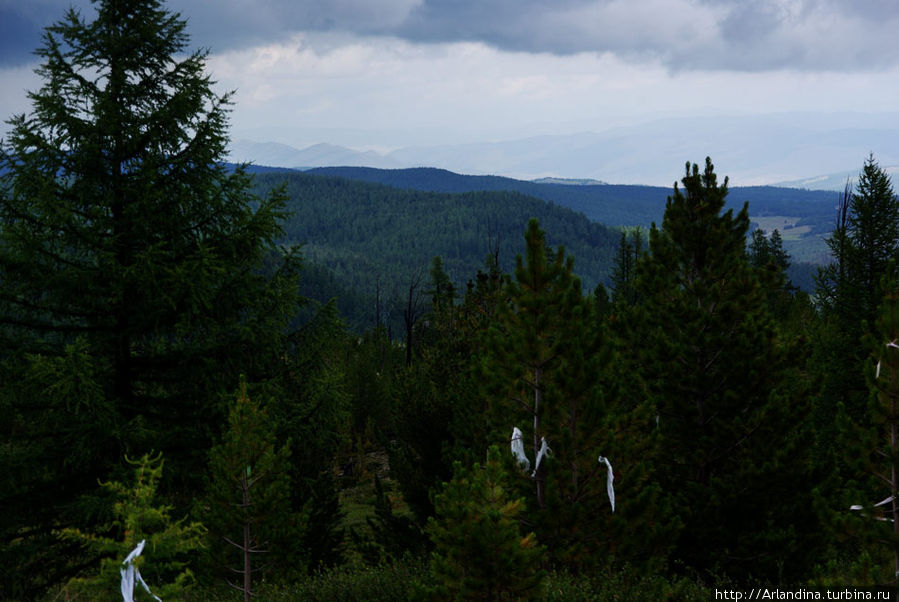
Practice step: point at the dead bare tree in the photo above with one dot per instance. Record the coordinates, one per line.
(412, 312)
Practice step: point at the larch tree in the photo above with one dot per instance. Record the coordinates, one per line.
(247, 505)
(132, 261)
(164, 545)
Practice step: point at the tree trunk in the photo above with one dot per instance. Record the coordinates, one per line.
(540, 471)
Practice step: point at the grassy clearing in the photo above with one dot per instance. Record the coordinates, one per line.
(799, 241)
(786, 225)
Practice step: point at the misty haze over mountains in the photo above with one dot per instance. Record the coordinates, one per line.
(801, 150)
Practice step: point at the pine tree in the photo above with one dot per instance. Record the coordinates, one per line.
(311, 409)
(443, 292)
(768, 251)
(480, 553)
(528, 343)
(874, 235)
(869, 511)
(121, 232)
(707, 356)
(546, 369)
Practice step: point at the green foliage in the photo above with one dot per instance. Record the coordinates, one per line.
(765, 251)
(58, 425)
(137, 517)
(848, 291)
(312, 409)
(131, 257)
(139, 275)
(323, 538)
(438, 396)
(547, 369)
(537, 369)
(252, 530)
(404, 579)
(409, 578)
(624, 271)
(864, 239)
(871, 455)
(313, 405)
(708, 358)
(480, 553)
(626, 583)
(617, 205)
(443, 291)
(372, 237)
(396, 534)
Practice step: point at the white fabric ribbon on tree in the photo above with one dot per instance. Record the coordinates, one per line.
(610, 479)
(517, 444)
(544, 451)
(130, 574)
(518, 449)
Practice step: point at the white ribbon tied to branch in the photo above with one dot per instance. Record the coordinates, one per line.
(517, 443)
(518, 449)
(130, 574)
(541, 453)
(880, 503)
(888, 345)
(610, 479)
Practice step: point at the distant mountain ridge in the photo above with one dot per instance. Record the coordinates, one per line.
(750, 149)
(610, 204)
(570, 181)
(835, 181)
(282, 155)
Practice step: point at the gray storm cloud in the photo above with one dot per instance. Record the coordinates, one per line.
(741, 35)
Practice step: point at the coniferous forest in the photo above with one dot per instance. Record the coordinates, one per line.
(302, 387)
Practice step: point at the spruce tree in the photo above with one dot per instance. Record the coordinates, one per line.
(625, 268)
(865, 238)
(874, 235)
(123, 234)
(706, 354)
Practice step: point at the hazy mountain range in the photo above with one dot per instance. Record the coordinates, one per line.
(800, 150)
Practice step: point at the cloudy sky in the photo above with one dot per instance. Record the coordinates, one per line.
(379, 74)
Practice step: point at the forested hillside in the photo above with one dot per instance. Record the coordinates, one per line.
(178, 415)
(610, 204)
(374, 238)
(803, 217)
